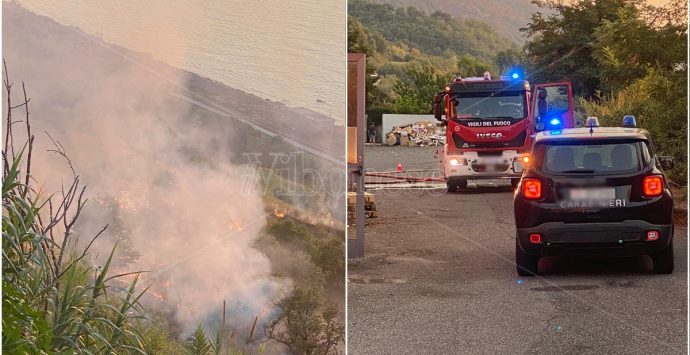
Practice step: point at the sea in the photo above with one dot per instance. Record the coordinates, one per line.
(292, 51)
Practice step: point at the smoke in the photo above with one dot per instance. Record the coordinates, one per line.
(155, 170)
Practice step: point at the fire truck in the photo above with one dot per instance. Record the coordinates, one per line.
(490, 125)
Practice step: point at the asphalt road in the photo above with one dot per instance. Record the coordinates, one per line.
(438, 278)
(286, 136)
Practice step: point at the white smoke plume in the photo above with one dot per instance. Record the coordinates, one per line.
(153, 170)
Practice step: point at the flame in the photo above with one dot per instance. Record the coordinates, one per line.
(157, 295)
(278, 213)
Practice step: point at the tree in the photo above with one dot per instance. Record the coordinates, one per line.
(305, 325)
(471, 66)
(659, 103)
(509, 59)
(417, 87)
(642, 70)
(561, 45)
(358, 38)
(627, 48)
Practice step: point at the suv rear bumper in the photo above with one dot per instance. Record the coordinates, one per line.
(625, 238)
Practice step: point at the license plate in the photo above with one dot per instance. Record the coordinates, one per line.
(593, 194)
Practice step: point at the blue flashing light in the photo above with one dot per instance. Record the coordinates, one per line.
(555, 133)
(629, 121)
(555, 122)
(592, 122)
(514, 73)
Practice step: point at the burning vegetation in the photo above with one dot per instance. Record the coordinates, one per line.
(182, 238)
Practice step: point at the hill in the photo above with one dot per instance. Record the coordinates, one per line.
(411, 53)
(504, 16)
(434, 33)
(174, 162)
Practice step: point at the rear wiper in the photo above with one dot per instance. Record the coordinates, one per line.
(578, 171)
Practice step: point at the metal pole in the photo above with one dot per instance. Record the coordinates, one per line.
(356, 112)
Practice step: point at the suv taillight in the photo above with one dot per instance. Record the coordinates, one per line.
(653, 185)
(531, 188)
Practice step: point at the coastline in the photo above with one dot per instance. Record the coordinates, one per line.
(296, 124)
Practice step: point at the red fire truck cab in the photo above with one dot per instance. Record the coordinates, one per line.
(490, 125)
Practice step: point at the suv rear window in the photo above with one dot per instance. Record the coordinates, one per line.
(592, 157)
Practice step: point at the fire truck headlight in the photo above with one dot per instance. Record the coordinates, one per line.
(454, 162)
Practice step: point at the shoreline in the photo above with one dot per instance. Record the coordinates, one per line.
(299, 124)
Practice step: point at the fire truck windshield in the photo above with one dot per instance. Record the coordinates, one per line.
(490, 105)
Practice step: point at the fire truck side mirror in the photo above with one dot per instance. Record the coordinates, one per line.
(438, 106)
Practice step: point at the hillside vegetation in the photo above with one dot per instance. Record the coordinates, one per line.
(168, 179)
(504, 16)
(623, 57)
(58, 298)
(435, 33)
(411, 54)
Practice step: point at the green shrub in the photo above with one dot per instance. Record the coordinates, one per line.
(325, 249)
(54, 301)
(305, 325)
(658, 101)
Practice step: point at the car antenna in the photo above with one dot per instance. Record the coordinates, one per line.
(592, 122)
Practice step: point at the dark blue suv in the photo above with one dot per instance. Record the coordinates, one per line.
(596, 191)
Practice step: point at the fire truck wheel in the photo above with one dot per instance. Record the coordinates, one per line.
(526, 265)
(663, 260)
(515, 183)
(454, 184)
